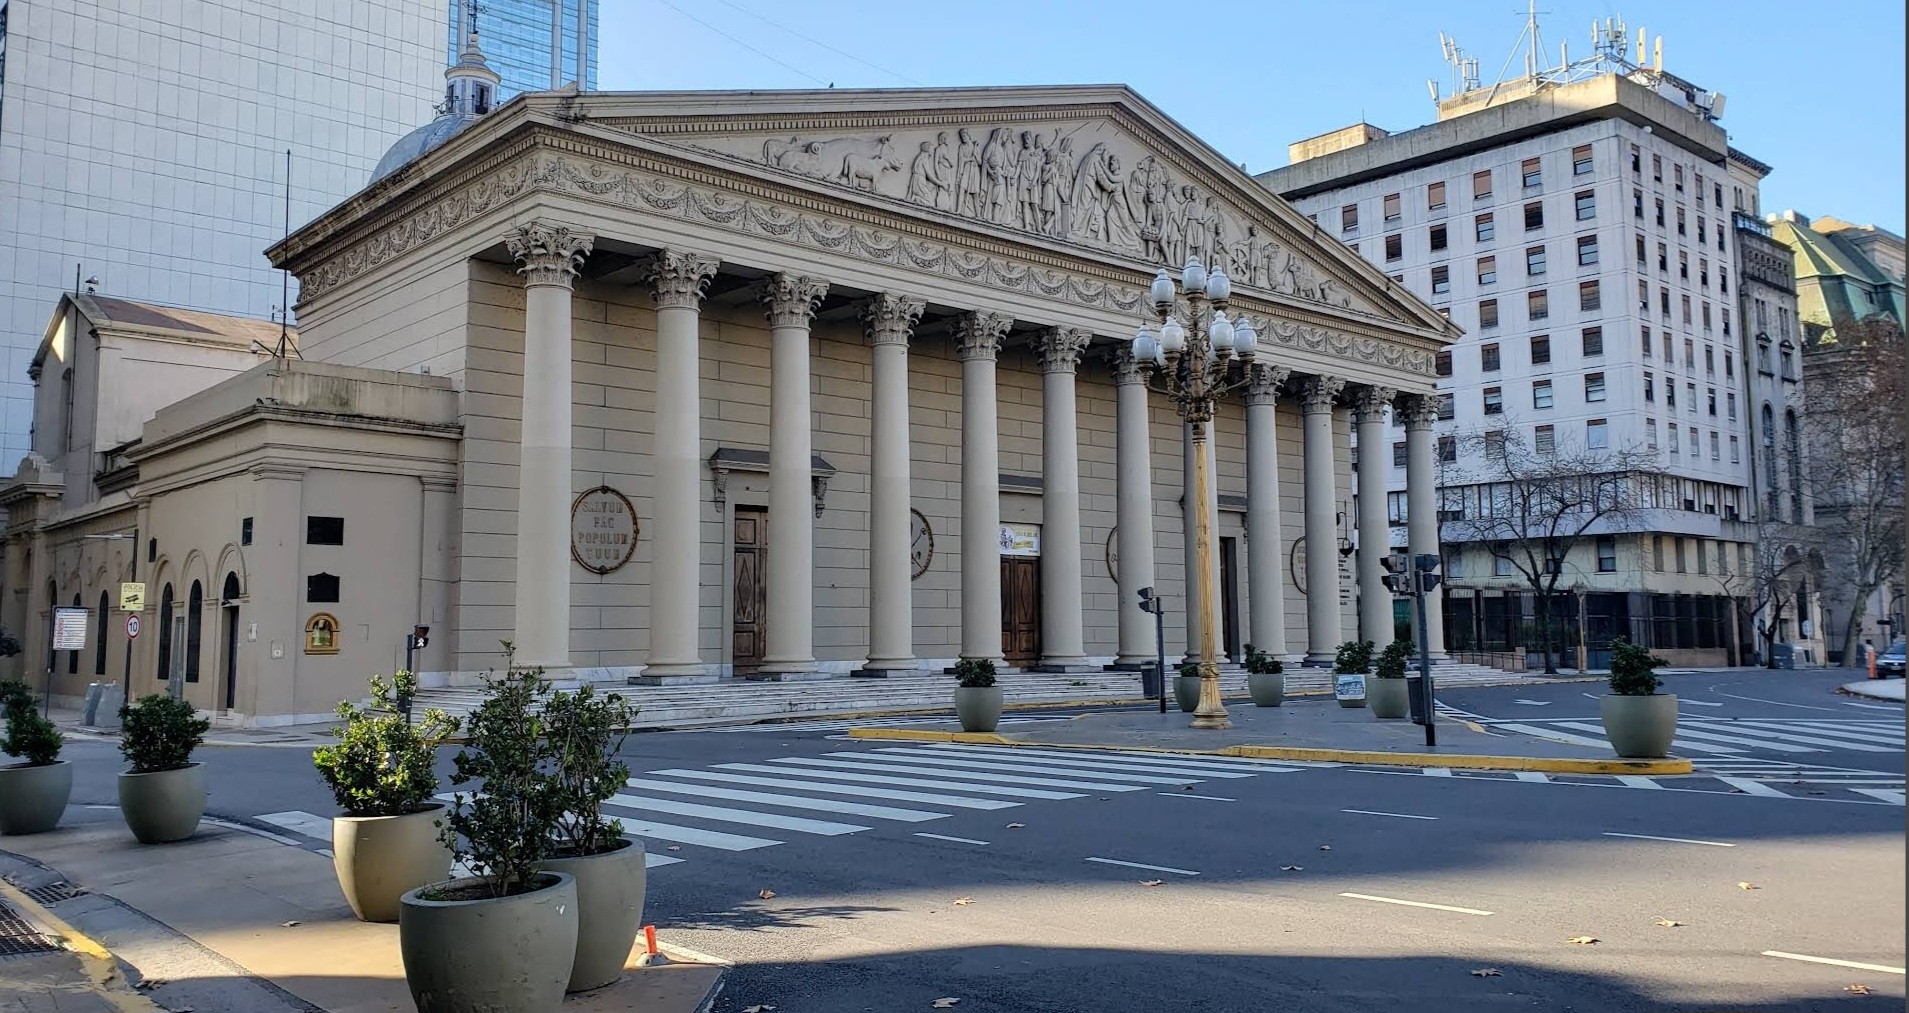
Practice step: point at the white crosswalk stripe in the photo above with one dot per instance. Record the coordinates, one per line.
(1724, 737)
(841, 724)
(1732, 775)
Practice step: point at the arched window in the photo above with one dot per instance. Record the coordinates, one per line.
(1771, 482)
(1793, 444)
(195, 615)
(99, 648)
(73, 657)
(165, 634)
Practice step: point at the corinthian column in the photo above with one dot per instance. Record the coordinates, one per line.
(1322, 535)
(789, 646)
(1421, 508)
(891, 619)
(1062, 646)
(978, 337)
(548, 257)
(1264, 577)
(1196, 592)
(1375, 536)
(1135, 508)
(678, 279)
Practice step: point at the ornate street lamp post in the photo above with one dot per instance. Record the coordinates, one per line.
(1194, 363)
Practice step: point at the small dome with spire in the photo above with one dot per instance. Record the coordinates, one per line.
(470, 89)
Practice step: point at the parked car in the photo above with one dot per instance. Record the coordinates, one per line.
(1890, 662)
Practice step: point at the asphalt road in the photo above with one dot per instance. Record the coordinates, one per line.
(868, 848)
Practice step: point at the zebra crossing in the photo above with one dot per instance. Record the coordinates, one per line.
(1726, 737)
(843, 724)
(1765, 778)
(690, 812)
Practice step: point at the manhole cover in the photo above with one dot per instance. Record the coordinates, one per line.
(17, 937)
(53, 893)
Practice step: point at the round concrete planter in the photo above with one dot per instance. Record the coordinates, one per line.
(1269, 690)
(610, 889)
(491, 955)
(32, 798)
(1639, 726)
(1387, 697)
(1186, 692)
(978, 707)
(165, 806)
(1360, 702)
(381, 858)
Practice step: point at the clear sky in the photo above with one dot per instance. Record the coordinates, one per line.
(1816, 89)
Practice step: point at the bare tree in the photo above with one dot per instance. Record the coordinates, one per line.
(1854, 420)
(1764, 590)
(1536, 499)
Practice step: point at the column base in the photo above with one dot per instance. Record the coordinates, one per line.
(1127, 666)
(878, 668)
(1064, 666)
(1319, 660)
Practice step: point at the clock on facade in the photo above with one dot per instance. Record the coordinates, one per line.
(921, 542)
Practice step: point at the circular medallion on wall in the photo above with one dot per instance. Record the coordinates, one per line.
(921, 543)
(603, 530)
(1296, 564)
(1113, 555)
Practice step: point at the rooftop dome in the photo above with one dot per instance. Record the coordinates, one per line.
(470, 89)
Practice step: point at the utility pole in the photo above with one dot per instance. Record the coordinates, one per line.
(1416, 576)
(1158, 606)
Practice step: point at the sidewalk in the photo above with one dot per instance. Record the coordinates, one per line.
(1311, 729)
(268, 914)
(1877, 689)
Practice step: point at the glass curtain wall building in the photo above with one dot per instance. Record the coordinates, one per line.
(523, 40)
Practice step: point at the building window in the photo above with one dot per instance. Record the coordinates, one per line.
(1703, 565)
(1606, 554)
(165, 634)
(1677, 177)
(1501, 562)
(1657, 552)
(1713, 401)
(1660, 211)
(1690, 398)
(1391, 207)
(1448, 449)
(1678, 543)
(1683, 265)
(1438, 241)
(1398, 455)
(1540, 349)
(1729, 365)
(1494, 401)
(1637, 204)
(1670, 394)
(1443, 361)
(1643, 259)
(1700, 228)
(1643, 298)
(1537, 304)
(1710, 360)
(1682, 228)
(1593, 338)
(1447, 407)
(1441, 280)
(1534, 261)
(1723, 286)
(1657, 168)
(1692, 434)
(1650, 387)
(1715, 453)
(1587, 251)
(1730, 403)
(1488, 357)
(99, 637)
(1675, 447)
(324, 531)
(1435, 197)
(1663, 259)
(321, 587)
(1703, 271)
(1533, 173)
(1637, 161)
(1597, 435)
(1650, 434)
(1736, 451)
(1684, 302)
(195, 627)
(245, 531)
(1663, 301)
(1581, 160)
(1487, 313)
(1483, 228)
(1534, 215)
(1593, 387)
(1494, 444)
(1544, 440)
(1541, 395)
(1586, 203)
(1704, 314)
(1481, 184)
(1590, 299)
(1644, 339)
(1690, 354)
(1394, 247)
(1349, 218)
(1487, 270)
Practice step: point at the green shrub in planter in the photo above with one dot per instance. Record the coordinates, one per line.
(1633, 669)
(586, 733)
(29, 734)
(159, 733)
(33, 792)
(974, 673)
(1639, 721)
(1259, 662)
(162, 795)
(1386, 693)
(1354, 657)
(977, 699)
(1392, 660)
(1264, 678)
(503, 832)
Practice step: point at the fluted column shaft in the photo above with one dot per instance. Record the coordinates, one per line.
(1134, 522)
(1375, 536)
(1265, 577)
(1322, 534)
(789, 643)
(1062, 644)
(678, 279)
(548, 257)
(978, 338)
(1421, 507)
(890, 319)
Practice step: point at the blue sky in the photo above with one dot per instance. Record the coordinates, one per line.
(1815, 90)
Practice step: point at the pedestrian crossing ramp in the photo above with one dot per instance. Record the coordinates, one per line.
(683, 813)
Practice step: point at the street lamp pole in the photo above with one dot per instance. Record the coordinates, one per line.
(1192, 363)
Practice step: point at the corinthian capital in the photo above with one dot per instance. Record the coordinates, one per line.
(1125, 367)
(1369, 404)
(548, 254)
(1418, 412)
(679, 277)
(978, 334)
(1263, 383)
(1060, 348)
(792, 298)
(1317, 394)
(890, 318)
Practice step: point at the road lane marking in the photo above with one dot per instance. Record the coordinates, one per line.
(1554, 735)
(652, 861)
(842, 789)
(1374, 812)
(1673, 840)
(1059, 768)
(1698, 703)
(980, 771)
(1150, 868)
(1871, 706)
(1683, 744)
(957, 840)
(1749, 787)
(1438, 772)
(1209, 798)
(1857, 964)
(1533, 776)
(1148, 762)
(828, 805)
(835, 774)
(1415, 903)
(1891, 795)
(1638, 781)
(1779, 703)
(692, 835)
(720, 814)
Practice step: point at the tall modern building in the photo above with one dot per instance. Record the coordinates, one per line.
(143, 144)
(1574, 223)
(534, 45)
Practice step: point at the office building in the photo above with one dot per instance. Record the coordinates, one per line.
(534, 45)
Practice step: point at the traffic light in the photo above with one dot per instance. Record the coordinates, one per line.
(1148, 603)
(1428, 570)
(1398, 579)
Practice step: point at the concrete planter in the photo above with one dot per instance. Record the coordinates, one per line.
(164, 806)
(1186, 692)
(1269, 690)
(381, 858)
(979, 707)
(610, 888)
(1387, 698)
(1639, 726)
(490, 955)
(33, 798)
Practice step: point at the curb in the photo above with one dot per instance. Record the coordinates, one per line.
(1862, 689)
(101, 967)
(1465, 761)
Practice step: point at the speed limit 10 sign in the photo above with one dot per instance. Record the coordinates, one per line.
(132, 627)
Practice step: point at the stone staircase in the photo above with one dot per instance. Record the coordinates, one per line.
(738, 701)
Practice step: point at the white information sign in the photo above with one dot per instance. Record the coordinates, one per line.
(1348, 687)
(69, 629)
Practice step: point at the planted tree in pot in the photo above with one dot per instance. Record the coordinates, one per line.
(33, 792)
(162, 793)
(1639, 721)
(501, 941)
(1387, 689)
(1265, 678)
(977, 698)
(585, 732)
(1186, 686)
(1349, 667)
(383, 773)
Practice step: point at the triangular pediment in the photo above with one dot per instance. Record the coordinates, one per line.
(1090, 168)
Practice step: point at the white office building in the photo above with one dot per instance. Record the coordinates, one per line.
(1574, 223)
(143, 144)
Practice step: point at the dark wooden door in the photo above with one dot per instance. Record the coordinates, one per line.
(1020, 610)
(231, 656)
(749, 617)
(1230, 597)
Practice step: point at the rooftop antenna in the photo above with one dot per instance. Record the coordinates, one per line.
(1464, 65)
(283, 310)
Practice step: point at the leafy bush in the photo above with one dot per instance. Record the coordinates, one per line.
(585, 732)
(28, 733)
(383, 765)
(9, 644)
(159, 733)
(1392, 660)
(1354, 657)
(1188, 669)
(1259, 662)
(503, 832)
(974, 673)
(1633, 669)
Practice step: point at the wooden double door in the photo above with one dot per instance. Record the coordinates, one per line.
(1021, 610)
(749, 604)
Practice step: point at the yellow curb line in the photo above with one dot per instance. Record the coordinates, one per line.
(95, 958)
(1465, 761)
